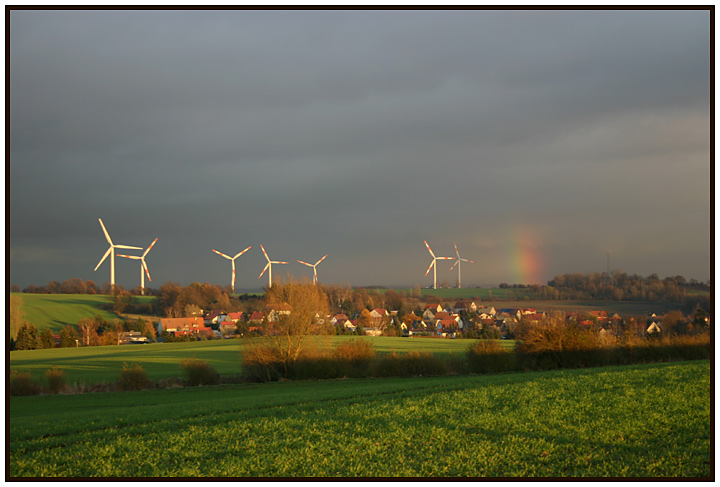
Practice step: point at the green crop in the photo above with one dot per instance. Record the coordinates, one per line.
(633, 421)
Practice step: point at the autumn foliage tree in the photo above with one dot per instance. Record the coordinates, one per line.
(286, 338)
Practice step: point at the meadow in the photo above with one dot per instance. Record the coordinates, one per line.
(650, 420)
(54, 311)
(88, 365)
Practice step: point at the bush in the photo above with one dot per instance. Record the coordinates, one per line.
(261, 363)
(56, 380)
(408, 365)
(487, 356)
(133, 378)
(198, 372)
(21, 384)
(353, 358)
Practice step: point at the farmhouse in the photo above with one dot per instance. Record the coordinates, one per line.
(173, 325)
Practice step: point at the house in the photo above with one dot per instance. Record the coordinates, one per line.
(430, 310)
(227, 328)
(235, 317)
(653, 328)
(600, 315)
(347, 325)
(256, 317)
(178, 324)
(338, 318)
(375, 332)
(467, 306)
(379, 316)
(275, 311)
(215, 316)
(132, 337)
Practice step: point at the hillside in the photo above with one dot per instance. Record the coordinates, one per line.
(57, 310)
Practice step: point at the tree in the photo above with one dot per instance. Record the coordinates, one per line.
(68, 336)
(26, 337)
(16, 314)
(288, 335)
(122, 301)
(47, 340)
(88, 329)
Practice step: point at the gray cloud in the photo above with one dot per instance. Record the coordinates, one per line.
(359, 134)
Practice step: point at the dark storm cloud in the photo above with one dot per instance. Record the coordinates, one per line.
(358, 134)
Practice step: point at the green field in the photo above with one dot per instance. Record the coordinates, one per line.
(57, 310)
(87, 365)
(633, 421)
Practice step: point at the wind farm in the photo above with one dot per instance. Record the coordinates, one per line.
(143, 265)
(232, 259)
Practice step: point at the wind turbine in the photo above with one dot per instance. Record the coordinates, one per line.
(457, 263)
(433, 265)
(314, 266)
(111, 252)
(143, 265)
(232, 259)
(269, 266)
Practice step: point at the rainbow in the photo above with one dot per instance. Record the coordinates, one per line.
(524, 256)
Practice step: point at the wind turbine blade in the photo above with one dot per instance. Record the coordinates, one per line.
(431, 264)
(238, 255)
(428, 247)
(315, 272)
(310, 265)
(277, 262)
(445, 258)
(220, 253)
(107, 236)
(453, 266)
(263, 272)
(321, 259)
(151, 246)
(147, 271)
(263, 249)
(465, 260)
(135, 257)
(456, 250)
(127, 247)
(104, 257)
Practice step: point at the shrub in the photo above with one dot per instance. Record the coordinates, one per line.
(198, 372)
(487, 356)
(353, 358)
(261, 363)
(408, 365)
(133, 378)
(21, 384)
(56, 380)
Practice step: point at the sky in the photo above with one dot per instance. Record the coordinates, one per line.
(541, 142)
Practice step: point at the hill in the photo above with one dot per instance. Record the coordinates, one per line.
(57, 310)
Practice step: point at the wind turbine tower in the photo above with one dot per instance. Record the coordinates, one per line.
(433, 265)
(457, 263)
(111, 253)
(232, 259)
(143, 266)
(269, 267)
(314, 266)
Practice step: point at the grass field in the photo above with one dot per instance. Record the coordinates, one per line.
(57, 310)
(634, 421)
(88, 365)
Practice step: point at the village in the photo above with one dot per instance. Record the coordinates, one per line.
(463, 319)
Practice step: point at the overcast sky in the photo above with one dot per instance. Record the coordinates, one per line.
(536, 140)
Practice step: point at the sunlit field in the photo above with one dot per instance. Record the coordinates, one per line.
(631, 421)
(160, 360)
